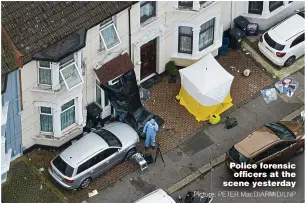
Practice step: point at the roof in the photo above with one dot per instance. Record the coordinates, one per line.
(33, 26)
(256, 141)
(159, 196)
(287, 28)
(114, 68)
(83, 148)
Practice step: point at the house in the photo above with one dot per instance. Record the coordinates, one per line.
(265, 13)
(11, 142)
(70, 48)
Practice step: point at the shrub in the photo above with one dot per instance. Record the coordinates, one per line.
(171, 68)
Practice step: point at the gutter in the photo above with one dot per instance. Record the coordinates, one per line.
(129, 31)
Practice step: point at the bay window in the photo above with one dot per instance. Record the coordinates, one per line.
(185, 40)
(185, 4)
(274, 5)
(44, 73)
(46, 120)
(67, 116)
(147, 10)
(206, 35)
(255, 7)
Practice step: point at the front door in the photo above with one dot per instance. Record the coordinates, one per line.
(148, 59)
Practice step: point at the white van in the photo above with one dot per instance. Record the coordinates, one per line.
(157, 196)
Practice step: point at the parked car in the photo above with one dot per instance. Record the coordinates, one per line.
(272, 143)
(93, 154)
(159, 196)
(284, 43)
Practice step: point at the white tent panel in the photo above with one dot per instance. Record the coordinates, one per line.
(206, 81)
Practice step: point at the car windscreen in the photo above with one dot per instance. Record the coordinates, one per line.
(281, 131)
(237, 156)
(63, 167)
(302, 14)
(272, 43)
(110, 138)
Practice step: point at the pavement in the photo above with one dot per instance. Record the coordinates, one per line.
(187, 162)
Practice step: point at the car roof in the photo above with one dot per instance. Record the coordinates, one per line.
(159, 196)
(287, 29)
(256, 141)
(83, 148)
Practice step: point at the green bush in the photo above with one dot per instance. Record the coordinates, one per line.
(171, 68)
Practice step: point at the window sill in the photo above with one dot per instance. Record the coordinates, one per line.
(149, 22)
(46, 90)
(268, 14)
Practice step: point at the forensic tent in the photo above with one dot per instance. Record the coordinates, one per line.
(205, 88)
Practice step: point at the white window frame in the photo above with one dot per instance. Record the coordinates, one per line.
(46, 68)
(74, 105)
(40, 113)
(77, 68)
(114, 80)
(101, 35)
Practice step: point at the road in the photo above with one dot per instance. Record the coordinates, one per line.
(212, 182)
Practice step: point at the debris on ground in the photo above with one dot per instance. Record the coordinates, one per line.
(84, 201)
(41, 187)
(232, 68)
(287, 86)
(244, 49)
(273, 76)
(41, 169)
(247, 53)
(93, 193)
(247, 72)
(269, 95)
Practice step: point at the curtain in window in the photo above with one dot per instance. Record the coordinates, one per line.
(147, 10)
(45, 76)
(185, 39)
(206, 35)
(67, 116)
(46, 123)
(110, 37)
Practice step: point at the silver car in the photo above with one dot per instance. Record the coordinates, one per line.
(94, 154)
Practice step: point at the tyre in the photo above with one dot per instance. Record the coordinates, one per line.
(85, 183)
(299, 151)
(289, 61)
(129, 154)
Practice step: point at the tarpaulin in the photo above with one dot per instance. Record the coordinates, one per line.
(125, 99)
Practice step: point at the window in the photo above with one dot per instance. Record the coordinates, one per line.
(63, 167)
(237, 156)
(185, 4)
(103, 24)
(185, 40)
(268, 152)
(67, 116)
(281, 131)
(110, 138)
(69, 71)
(83, 167)
(290, 2)
(109, 36)
(298, 40)
(206, 35)
(100, 97)
(272, 43)
(202, 2)
(282, 145)
(147, 11)
(255, 7)
(108, 152)
(274, 5)
(44, 73)
(46, 119)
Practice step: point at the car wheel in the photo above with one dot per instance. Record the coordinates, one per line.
(289, 61)
(130, 153)
(85, 183)
(299, 151)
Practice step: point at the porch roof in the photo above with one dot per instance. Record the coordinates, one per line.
(114, 68)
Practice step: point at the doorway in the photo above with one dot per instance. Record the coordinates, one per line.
(148, 58)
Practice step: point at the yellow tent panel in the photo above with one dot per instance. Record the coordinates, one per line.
(202, 113)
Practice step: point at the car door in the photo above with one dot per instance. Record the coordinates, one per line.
(269, 155)
(297, 46)
(110, 157)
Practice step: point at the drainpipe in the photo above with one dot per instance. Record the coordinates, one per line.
(129, 28)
